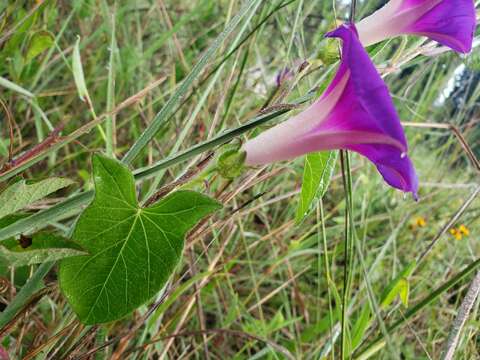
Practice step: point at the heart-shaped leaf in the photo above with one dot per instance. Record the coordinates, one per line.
(133, 250)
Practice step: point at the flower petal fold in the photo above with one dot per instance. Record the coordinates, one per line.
(449, 22)
(355, 112)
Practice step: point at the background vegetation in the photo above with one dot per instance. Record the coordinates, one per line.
(254, 283)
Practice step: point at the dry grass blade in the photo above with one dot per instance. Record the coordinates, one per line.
(462, 316)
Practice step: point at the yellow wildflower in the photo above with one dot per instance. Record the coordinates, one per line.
(456, 234)
(420, 221)
(463, 230)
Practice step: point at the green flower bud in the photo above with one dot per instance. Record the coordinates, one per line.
(328, 53)
(230, 163)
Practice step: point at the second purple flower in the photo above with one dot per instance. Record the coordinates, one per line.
(449, 22)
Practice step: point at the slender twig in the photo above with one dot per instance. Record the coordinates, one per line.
(458, 134)
(48, 142)
(449, 224)
(85, 338)
(461, 318)
(276, 107)
(178, 47)
(181, 181)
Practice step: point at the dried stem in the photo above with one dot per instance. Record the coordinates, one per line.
(458, 134)
(29, 305)
(461, 318)
(49, 141)
(198, 301)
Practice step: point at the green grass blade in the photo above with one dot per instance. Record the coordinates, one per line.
(14, 87)
(110, 120)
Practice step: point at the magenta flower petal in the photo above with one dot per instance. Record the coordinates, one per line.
(355, 113)
(450, 22)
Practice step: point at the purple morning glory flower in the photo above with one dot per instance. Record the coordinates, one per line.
(450, 22)
(356, 113)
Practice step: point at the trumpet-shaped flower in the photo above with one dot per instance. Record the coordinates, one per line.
(450, 22)
(356, 113)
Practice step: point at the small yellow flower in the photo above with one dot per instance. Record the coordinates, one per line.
(456, 234)
(463, 230)
(420, 221)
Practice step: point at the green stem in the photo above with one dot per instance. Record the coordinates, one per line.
(348, 250)
(349, 229)
(75, 203)
(221, 139)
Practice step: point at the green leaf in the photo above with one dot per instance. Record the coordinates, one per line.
(398, 286)
(361, 326)
(78, 71)
(314, 331)
(317, 174)
(404, 291)
(42, 247)
(21, 194)
(133, 250)
(39, 42)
